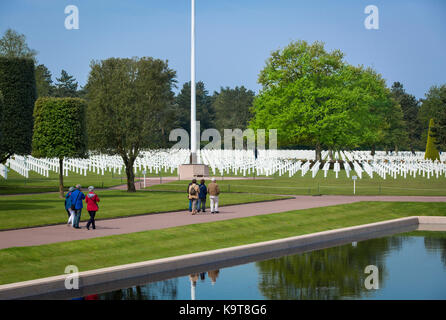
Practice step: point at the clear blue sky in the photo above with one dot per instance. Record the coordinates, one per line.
(235, 37)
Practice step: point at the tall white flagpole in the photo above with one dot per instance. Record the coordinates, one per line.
(193, 106)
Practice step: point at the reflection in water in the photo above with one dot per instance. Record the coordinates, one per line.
(152, 291)
(213, 275)
(161, 290)
(436, 244)
(332, 273)
(411, 266)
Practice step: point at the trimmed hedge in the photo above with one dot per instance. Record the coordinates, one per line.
(60, 128)
(1, 113)
(18, 87)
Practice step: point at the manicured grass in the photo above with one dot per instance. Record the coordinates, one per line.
(41, 209)
(277, 185)
(306, 185)
(20, 264)
(36, 183)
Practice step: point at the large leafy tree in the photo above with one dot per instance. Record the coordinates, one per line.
(127, 98)
(313, 97)
(362, 103)
(295, 87)
(60, 130)
(233, 108)
(205, 112)
(410, 108)
(18, 87)
(13, 45)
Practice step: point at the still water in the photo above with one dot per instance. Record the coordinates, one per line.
(410, 266)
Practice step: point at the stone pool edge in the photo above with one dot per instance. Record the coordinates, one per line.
(28, 289)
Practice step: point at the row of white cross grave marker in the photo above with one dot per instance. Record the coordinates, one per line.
(244, 163)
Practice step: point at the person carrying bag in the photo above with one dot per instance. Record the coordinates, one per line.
(76, 205)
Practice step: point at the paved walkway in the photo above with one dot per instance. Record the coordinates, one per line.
(61, 233)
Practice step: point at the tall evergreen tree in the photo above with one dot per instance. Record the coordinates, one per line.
(232, 108)
(66, 86)
(432, 107)
(439, 131)
(44, 83)
(395, 133)
(205, 112)
(410, 108)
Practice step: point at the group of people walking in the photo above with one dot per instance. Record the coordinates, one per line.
(74, 205)
(197, 194)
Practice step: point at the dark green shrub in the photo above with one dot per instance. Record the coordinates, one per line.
(18, 87)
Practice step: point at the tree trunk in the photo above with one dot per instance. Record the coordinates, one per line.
(61, 192)
(331, 154)
(373, 151)
(318, 152)
(130, 175)
(4, 157)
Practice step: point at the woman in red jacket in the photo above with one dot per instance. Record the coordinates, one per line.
(92, 200)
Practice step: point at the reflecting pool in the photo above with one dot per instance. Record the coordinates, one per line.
(409, 266)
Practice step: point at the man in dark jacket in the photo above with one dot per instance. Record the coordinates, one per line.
(202, 196)
(76, 200)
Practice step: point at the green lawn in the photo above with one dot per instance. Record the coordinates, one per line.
(18, 211)
(277, 185)
(36, 183)
(306, 185)
(20, 264)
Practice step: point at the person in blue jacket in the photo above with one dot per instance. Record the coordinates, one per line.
(76, 201)
(68, 201)
(202, 196)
